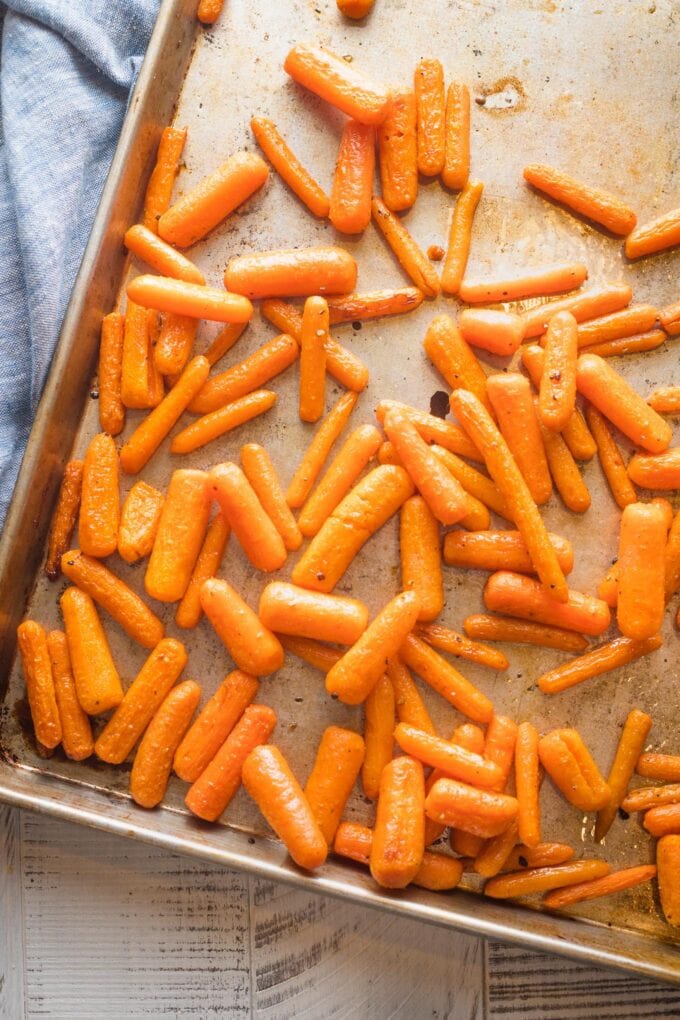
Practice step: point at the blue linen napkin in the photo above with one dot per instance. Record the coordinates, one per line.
(66, 73)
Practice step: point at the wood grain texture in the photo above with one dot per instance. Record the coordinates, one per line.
(11, 916)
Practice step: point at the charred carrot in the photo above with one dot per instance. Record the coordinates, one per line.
(399, 833)
(350, 207)
(313, 336)
(207, 563)
(309, 468)
(554, 280)
(503, 628)
(654, 236)
(564, 470)
(456, 169)
(664, 768)
(494, 331)
(408, 703)
(518, 595)
(162, 179)
(97, 681)
(111, 407)
(410, 257)
(641, 582)
(337, 82)
(99, 499)
(665, 400)
(251, 645)
(452, 357)
(397, 152)
(294, 272)
(593, 203)
(446, 680)
(460, 237)
(175, 342)
(254, 530)
(289, 167)
(448, 757)
(611, 460)
(628, 345)
(543, 856)
(261, 474)
(588, 304)
(670, 319)
(162, 257)
(570, 765)
(287, 609)
(269, 360)
(527, 784)
(575, 433)
(668, 862)
(217, 423)
(40, 687)
(646, 797)
(451, 641)
(180, 535)
(65, 516)
(510, 397)
(153, 760)
(379, 722)
(214, 723)
(618, 652)
(636, 319)
(76, 732)
(433, 429)
(499, 550)
(139, 521)
(557, 393)
(358, 307)
(420, 553)
(192, 299)
(633, 736)
(344, 470)
(213, 790)
(533, 880)
(479, 812)
(336, 767)
(662, 821)
(135, 363)
(430, 116)
(656, 471)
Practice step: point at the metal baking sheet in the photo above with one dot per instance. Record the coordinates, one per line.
(567, 83)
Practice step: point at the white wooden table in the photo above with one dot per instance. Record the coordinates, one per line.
(98, 926)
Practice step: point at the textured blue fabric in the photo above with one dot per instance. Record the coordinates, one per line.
(67, 70)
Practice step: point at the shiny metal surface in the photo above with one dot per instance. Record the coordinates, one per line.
(567, 83)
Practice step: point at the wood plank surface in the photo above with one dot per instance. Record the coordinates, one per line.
(11, 916)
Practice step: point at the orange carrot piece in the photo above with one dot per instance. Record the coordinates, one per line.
(162, 179)
(213, 725)
(135, 390)
(405, 249)
(555, 280)
(611, 461)
(510, 397)
(76, 732)
(139, 521)
(192, 299)
(309, 468)
(420, 554)
(162, 257)
(397, 152)
(452, 357)
(212, 792)
(111, 407)
(209, 11)
(97, 681)
(360, 446)
(99, 498)
(477, 485)
(295, 272)
(503, 628)
(460, 237)
(313, 359)
(494, 331)
(261, 474)
(379, 722)
(633, 736)
(654, 236)
(672, 559)
(619, 652)
(40, 687)
(527, 784)
(533, 880)
(628, 345)
(656, 471)
(448, 757)
(337, 82)
(494, 852)
(570, 765)
(663, 821)
(471, 738)
(254, 530)
(224, 341)
(668, 863)
(251, 645)
(594, 204)
(433, 429)
(409, 705)
(350, 208)
(287, 609)
(175, 342)
(588, 304)
(543, 856)
(399, 833)
(431, 116)
(641, 582)
(289, 167)
(564, 470)
(499, 747)
(665, 400)
(446, 680)
(153, 760)
(500, 550)
(207, 564)
(65, 516)
(595, 888)
(636, 319)
(336, 767)
(269, 360)
(226, 418)
(437, 871)
(670, 319)
(557, 393)
(456, 169)
(180, 535)
(456, 644)
(358, 307)
(646, 797)
(575, 433)
(142, 700)
(479, 812)
(664, 768)
(518, 595)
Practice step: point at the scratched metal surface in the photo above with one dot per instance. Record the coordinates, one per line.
(584, 88)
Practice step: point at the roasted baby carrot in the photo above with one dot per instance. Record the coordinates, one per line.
(543, 856)
(113, 595)
(670, 319)
(213, 725)
(633, 736)
(628, 345)
(420, 554)
(499, 747)
(213, 790)
(460, 237)
(317, 452)
(597, 887)
(287, 609)
(175, 342)
(527, 784)
(135, 362)
(432, 429)
(557, 394)
(224, 341)
(350, 207)
(668, 863)
(446, 680)
(495, 331)
(111, 408)
(636, 319)
(664, 768)
(510, 397)
(503, 628)
(355, 9)
(663, 821)
(313, 336)
(656, 471)
(672, 558)
(40, 686)
(641, 582)
(289, 167)
(610, 458)
(593, 203)
(451, 641)
(65, 516)
(533, 880)
(162, 179)
(410, 257)
(180, 535)
(162, 257)
(656, 235)
(360, 446)
(456, 169)
(479, 812)
(587, 304)
(336, 767)
(452, 357)
(192, 299)
(99, 499)
(358, 307)
(518, 595)
(494, 852)
(570, 765)
(208, 11)
(474, 482)
(252, 646)
(139, 521)
(254, 530)
(217, 423)
(295, 272)
(618, 652)
(575, 433)
(554, 280)
(272, 358)
(261, 474)
(499, 550)
(337, 82)
(269, 780)
(379, 722)
(76, 732)
(448, 757)
(207, 564)
(564, 470)
(397, 152)
(646, 797)
(153, 760)
(430, 116)
(437, 871)
(665, 400)
(408, 703)
(97, 681)
(399, 833)
(353, 676)
(471, 738)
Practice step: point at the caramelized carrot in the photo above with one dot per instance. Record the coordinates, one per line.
(460, 237)
(475, 484)
(654, 236)
(527, 784)
(358, 449)
(409, 705)
(588, 304)
(494, 852)
(289, 167)
(40, 687)
(451, 641)
(503, 628)
(261, 474)
(254, 530)
(192, 299)
(111, 408)
(336, 767)
(665, 400)
(139, 520)
(656, 471)
(494, 331)
(410, 257)
(217, 423)
(180, 535)
(672, 559)
(636, 319)
(664, 768)
(97, 681)
(448, 757)
(641, 584)
(611, 460)
(175, 342)
(446, 680)
(272, 358)
(99, 498)
(456, 169)
(564, 470)
(76, 732)
(451, 356)
(499, 550)
(399, 833)
(135, 363)
(533, 880)
(162, 179)
(353, 307)
(350, 208)
(499, 747)
(543, 856)
(594, 203)
(570, 765)
(432, 429)
(224, 341)
(670, 319)
(645, 797)
(628, 345)
(397, 152)
(557, 395)
(431, 116)
(518, 595)
(292, 273)
(437, 871)
(153, 760)
(65, 516)
(207, 564)
(479, 812)
(633, 736)
(379, 722)
(337, 82)
(313, 359)
(253, 648)
(510, 397)
(575, 433)
(595, 888)
(618, 652)
(421, 566)
(662, 821)
(162, 257)
(309, 468)
(287, 609)
(554, 280)
(668, 862)
(471, 738)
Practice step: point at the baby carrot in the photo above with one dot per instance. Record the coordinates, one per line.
(503, 628)
(317, 452)
(336, 767)
(610, 458)
(287, 609)
(180, 535)
(494, 331)
(65, 515)
(353, 676)
(633, 736)
(628, 345)
(533, 880)
(254, 530)
(494, 852)
(313, 358)
(353, 307)
(448, 757)
(664, 768)
(527, 784)
(379, 722)
(557, 393)
(40, 686)
(641, 585)
(409, 705)
(670, 319)
(437, 871)
(99, 500)
(510, 397)
(397, 152)
(135, 362)
(224, 341)
(663, 821)
(226, 418)
(142, 700)
(460, 237)
(97, 681)
(471, 738)
(207, 564)
(175, 342)
(192, 299)
(213, 790)
(113, 595)
(636, 319)
(656, 471)
(360, 446)
(525, 597)
(588, 304)
(656, 235)
(575, 433)
(499, 747)
(452, 356)
(337, 82)
(543, 856)
(554, 280)
(139, 521)
(645, 797)
(407, 252)
(564, 470)
(362, 512)
(616, 882)
(668, 863)
(350, 207)
(162, 257)
(433, 429)
(479, 812)
(456, 169)
(268, 779)
(420, 553)
(430, 116)
(76, 732)
(451, 641)
(111, 408)
(214, 723)
(208, 11)
(355, 9)
(399, 833)
(258, 368)
(593, 203)
(475, 484)
(261, 474)
(289, 167)
(499, 550)
(162, 179)
(212, 199)
(446, 680)
(295, 272)
(672, 559)
(665, 400)
(153, 760)
(618, 652)
(251, 645)
(570, 765)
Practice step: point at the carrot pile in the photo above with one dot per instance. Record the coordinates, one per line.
(525, 435)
